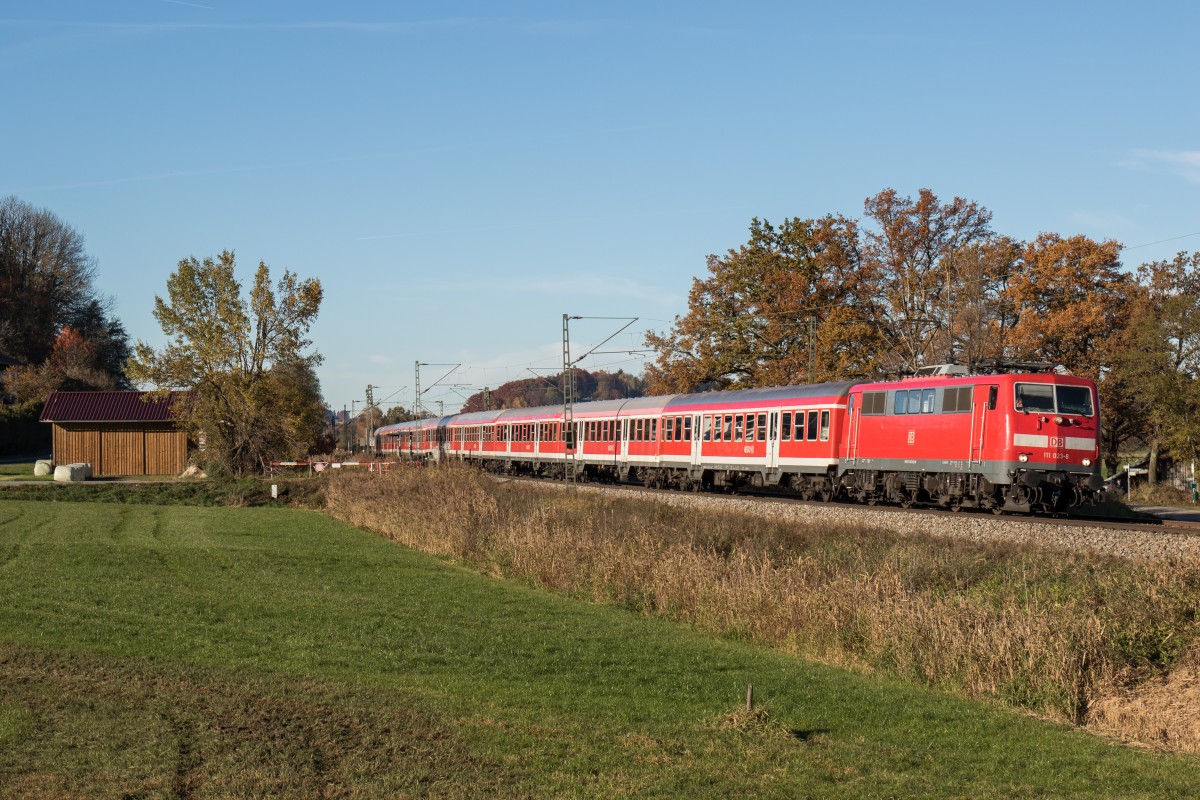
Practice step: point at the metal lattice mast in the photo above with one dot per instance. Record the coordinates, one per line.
(370, 418)
(416, 409)
(568, 390)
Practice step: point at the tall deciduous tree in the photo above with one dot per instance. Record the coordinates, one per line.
(1071, 296)
(46, 285)
(983, 316)
(796, 303)
(253, 394)
(1160, 362)
(913, 248)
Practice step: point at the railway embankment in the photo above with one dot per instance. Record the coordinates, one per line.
(1089, 626)
(1147, 543)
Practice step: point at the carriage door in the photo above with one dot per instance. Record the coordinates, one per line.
(984, 403)
(854, 411)
(773, 440)
(696, 443)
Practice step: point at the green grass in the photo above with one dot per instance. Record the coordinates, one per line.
(21, 472)
(168, 651)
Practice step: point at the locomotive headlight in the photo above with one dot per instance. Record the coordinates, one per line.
(1087, 462)
(1023, 457)
(1058, 420)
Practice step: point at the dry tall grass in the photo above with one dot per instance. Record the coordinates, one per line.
(1053, 632)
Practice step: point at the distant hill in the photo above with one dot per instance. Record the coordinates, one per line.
(529, 392)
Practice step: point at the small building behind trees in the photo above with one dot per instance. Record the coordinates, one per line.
(117, 432)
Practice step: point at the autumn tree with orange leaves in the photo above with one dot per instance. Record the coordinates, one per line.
(1071, 296)
(74, 364)
(795, 304)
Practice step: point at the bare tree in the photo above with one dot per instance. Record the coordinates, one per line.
(46, 280)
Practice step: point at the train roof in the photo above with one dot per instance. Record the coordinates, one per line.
(764, 396)
(1005, 378)
(424, 422)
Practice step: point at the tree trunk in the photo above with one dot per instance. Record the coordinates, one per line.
(1152, 475)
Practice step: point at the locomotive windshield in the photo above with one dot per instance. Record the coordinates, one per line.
(1074, 400)
(1042, 397)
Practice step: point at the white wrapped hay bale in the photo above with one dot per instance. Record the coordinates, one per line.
(69, 473)
(43, 467)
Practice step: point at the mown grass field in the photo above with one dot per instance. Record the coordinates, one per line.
(173, 651)
(20, 472)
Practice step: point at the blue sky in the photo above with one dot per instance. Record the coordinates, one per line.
(459, 175)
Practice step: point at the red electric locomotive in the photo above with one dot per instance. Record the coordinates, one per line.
(1005, 442)
(1013, 442)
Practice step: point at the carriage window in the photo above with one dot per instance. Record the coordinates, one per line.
(654, 430)
(957, 399)
(901, 405)
(687, 429)
(927, 401)
(716, 427)
(1074, 400)
(668, 429)
(787, 426)
(914, 401)
(749, 427)
(812, 426)
(739, 423)
(708, 424)
(762, 427)
(874, 403)
(824, 426)
(729, 427)
(1035, 397)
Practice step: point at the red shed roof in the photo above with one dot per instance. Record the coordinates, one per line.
(107, 407)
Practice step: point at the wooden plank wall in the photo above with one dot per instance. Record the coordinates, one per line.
(73, 445)
(116, 449)
(122, 452)
(166, 452)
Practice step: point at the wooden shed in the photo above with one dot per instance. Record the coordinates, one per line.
(118, 433)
